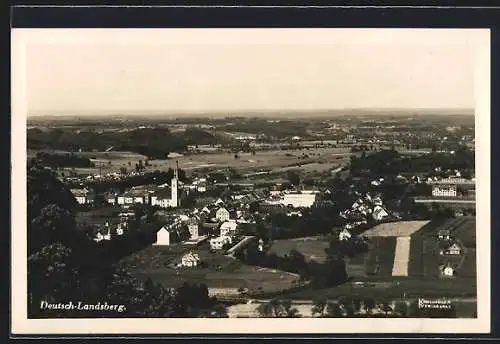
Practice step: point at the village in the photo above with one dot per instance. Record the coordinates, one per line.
(224, 225)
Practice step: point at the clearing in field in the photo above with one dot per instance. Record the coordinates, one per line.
(395, 229)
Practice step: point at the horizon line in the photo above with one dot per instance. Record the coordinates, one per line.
(234, 113)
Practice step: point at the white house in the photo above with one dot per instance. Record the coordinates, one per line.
(107, 236)
(447, 271)
(99, 237)
(299, 200)
(444, 191)
(222, 214)
(228, 228)
(219, 242)
(453, 250)
(193, 228)
(261, 245)
(110, 198)
(379, 213)
(444, 235)
(162, 237)
(190, 260)
(344, 235)
(201, 187)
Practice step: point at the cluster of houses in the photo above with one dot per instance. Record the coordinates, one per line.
(449, 248)
(109, 231)
(363, 207)
(213, 221)
(163, 196)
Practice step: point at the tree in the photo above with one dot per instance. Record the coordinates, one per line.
(49, 227)
(293, 178)
(401, 309)
(356, 303)
(50, 278)
(347, 307)
(319, 307)
(278, 309)
(326, 309)
(369, 305)
(44, 188)
(309, 182)
(385, 307)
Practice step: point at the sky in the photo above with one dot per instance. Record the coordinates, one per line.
(202, 70)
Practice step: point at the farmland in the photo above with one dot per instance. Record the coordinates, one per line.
(395, 229)
(380, 259)
(422, 254)
(390, 244)
(374, 269)
(216, 271)
(272, 161)
(313, 248)
(425, 259)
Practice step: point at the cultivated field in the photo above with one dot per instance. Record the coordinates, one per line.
(275, 161)
(380, 258)
(395, 229)
(313, 248)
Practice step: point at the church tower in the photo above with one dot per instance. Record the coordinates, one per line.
(175, 202)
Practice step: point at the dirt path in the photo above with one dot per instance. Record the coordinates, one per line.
(401, 257)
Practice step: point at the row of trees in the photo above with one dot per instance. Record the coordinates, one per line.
(353, 308)
(63, 160)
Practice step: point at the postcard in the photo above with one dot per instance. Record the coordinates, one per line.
(228, 179)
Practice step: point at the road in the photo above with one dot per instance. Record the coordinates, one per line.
(430, 200)
(246, 240)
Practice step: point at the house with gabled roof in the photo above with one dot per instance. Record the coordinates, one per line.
(452, 250)
(83, 195)
(379, 213)
(222, 214)
(190, 260)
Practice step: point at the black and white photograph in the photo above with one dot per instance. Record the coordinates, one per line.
(239, 176)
